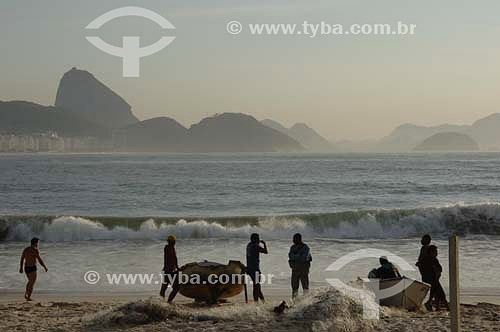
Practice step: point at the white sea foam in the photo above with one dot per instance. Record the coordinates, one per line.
(80, 229)
(477, 219)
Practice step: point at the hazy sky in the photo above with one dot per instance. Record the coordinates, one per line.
(353, 87)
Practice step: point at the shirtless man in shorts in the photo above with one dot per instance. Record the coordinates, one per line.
(28, 263)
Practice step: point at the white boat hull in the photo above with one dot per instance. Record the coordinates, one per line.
(408, 293)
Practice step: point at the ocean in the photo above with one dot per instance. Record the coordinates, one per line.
(111, 213)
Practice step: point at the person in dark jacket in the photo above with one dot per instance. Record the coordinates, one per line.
(386, 270)
(253, 264)
(170, 269)
(425, 268)
(431, 264)
(424, 253)
(299, 259)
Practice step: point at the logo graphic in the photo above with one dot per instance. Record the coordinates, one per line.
(234, 27)
(91, 277)
(369, 311)
(131, 51)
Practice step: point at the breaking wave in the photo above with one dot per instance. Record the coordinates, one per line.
(376, 224)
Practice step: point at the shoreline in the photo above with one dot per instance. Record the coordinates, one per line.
(323, 310)
(272, 295)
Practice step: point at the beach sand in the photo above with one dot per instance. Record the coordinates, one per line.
(323, 310)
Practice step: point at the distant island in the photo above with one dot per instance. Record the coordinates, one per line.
(448, 142)
(485, 132)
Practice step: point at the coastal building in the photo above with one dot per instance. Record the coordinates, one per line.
(49, 142)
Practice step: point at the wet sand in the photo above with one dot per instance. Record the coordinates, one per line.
(322, 311)
(467, 297)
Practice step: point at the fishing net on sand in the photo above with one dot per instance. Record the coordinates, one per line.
(322, 310)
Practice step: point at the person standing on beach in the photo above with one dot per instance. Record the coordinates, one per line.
(424, 252)
(253, 264)
(425, 266)
(170, 269)
(431, 264)
(28, 264)
(299, 259)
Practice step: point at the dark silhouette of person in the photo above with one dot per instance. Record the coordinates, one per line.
(253, 264)
(433, 271)
(387, 270)
(29, 258)
(170, 269)
(299, 259)
(424, 252)
(425, 267)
